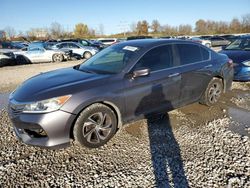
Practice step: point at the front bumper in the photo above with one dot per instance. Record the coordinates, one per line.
(51, 130)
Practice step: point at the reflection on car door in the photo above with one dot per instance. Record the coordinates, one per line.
(43, 55)
(159, 90)
(196, 71)
(33, 54)
(76, 49)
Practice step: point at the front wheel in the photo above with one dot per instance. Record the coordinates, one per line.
(87, 55)
(213, 92)
(95, 126)
(57, 58)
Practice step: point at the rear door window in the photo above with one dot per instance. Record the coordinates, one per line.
(72, 45)
(156, 59)
(189, 53)
(63, 45)
(205, 54)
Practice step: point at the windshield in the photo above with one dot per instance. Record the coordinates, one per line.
(110, 60)
(240, 44)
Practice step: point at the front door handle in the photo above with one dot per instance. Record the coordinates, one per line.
(208, 66)
(173, 75)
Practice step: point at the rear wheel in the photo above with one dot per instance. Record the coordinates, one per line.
(213, 92)
(87, 55)
(95, 126)
(57, 58)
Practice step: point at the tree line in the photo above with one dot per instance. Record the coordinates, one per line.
(143, 27)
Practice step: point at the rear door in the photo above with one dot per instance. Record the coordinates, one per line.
(76, 49)
(196, 71)
(33, 54)
(159, 90)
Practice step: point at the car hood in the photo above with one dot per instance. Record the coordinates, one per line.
(237, 56)
(55, 83)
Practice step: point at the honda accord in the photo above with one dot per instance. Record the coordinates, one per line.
(122, 83)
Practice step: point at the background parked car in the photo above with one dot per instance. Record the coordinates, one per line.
(239, 52)
(205, 42)
(138, 37)
(108, 41)
(11, 45)
(84, 42)
(37, 52)
(218, 41)
(231, 38)
(84, 51)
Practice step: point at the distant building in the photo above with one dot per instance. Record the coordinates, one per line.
(2, 34)
(39, 32)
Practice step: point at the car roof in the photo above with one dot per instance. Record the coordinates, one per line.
(245, 36)
(154, 42)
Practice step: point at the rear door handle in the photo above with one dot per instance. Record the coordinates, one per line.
(173, 75)
(208, 66)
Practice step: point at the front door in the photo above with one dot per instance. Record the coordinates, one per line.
(159, 91)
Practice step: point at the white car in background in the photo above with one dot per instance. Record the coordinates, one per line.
(84, 51)
(108, 41)
(38, 53)
(206, 43)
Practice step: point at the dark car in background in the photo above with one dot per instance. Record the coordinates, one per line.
(122, 83)
(231, 38)
(239, 52)
(139, 37)
(218, 41)
(11, 45)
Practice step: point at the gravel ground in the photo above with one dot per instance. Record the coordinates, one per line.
(190, 147)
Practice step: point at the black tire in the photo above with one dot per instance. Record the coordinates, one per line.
(213, 92)
(57, 58)
(90, 130)
(87, 55)
(22, 60)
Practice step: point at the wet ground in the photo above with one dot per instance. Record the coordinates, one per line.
(234, 104)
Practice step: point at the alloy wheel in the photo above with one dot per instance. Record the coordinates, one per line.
(97, 127)
(214, 93)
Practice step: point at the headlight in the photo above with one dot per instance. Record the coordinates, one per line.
(247, 63)
(48, 105)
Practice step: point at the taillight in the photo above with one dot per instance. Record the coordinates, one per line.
(230, 63)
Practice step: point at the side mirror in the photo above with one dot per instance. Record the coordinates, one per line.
(141, 72)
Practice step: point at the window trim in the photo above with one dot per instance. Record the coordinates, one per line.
(209, 59)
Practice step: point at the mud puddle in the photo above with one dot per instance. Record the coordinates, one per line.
(3, 100)
(195, 115)
(241, 121)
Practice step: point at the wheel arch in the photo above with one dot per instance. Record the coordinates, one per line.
(223, 81)
(109, 104)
